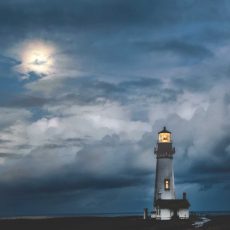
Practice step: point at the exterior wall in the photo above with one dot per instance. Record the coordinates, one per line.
(164, 170)
(165, 214)
(183, 213)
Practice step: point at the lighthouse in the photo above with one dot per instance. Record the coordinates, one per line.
(166, 206)
(164, 180)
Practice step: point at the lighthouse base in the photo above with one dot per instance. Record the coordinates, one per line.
(171, 209)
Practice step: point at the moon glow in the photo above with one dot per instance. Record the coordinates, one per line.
(38, 57)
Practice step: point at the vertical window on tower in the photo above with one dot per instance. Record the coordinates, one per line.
(167, 184)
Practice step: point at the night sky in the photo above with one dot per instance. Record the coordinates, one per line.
(85, 85)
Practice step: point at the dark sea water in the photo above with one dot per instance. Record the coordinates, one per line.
(210, 213)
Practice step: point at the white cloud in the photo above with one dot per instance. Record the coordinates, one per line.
(13, 130)
(96, 121)
(185, 107)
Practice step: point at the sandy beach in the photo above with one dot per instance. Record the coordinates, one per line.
(113, 223)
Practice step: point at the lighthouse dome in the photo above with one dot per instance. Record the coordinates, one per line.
(164, 130)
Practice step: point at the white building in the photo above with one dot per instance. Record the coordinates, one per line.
(166, 206)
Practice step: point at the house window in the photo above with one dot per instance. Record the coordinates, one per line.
(167, 184)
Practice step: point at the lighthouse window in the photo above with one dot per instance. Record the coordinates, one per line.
(164, 137)
(167, 184)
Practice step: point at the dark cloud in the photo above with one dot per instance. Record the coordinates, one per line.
(17, 100)
(6, 63)
(88, 90)
(178, 47)
(78, 11)
(84, 91)
(191, 84)
(9, 155)
(75, 13)
(4, 141)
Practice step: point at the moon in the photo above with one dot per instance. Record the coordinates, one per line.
(38, 57)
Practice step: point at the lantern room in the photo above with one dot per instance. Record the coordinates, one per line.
(164, 136)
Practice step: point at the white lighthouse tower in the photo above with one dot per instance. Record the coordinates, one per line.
(164, 181)
(165, 203)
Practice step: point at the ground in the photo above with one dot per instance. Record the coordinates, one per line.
(111, 223)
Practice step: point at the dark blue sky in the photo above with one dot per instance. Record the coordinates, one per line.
(85, 85)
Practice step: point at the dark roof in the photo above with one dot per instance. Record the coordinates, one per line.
(164, 130)
(172, 204)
